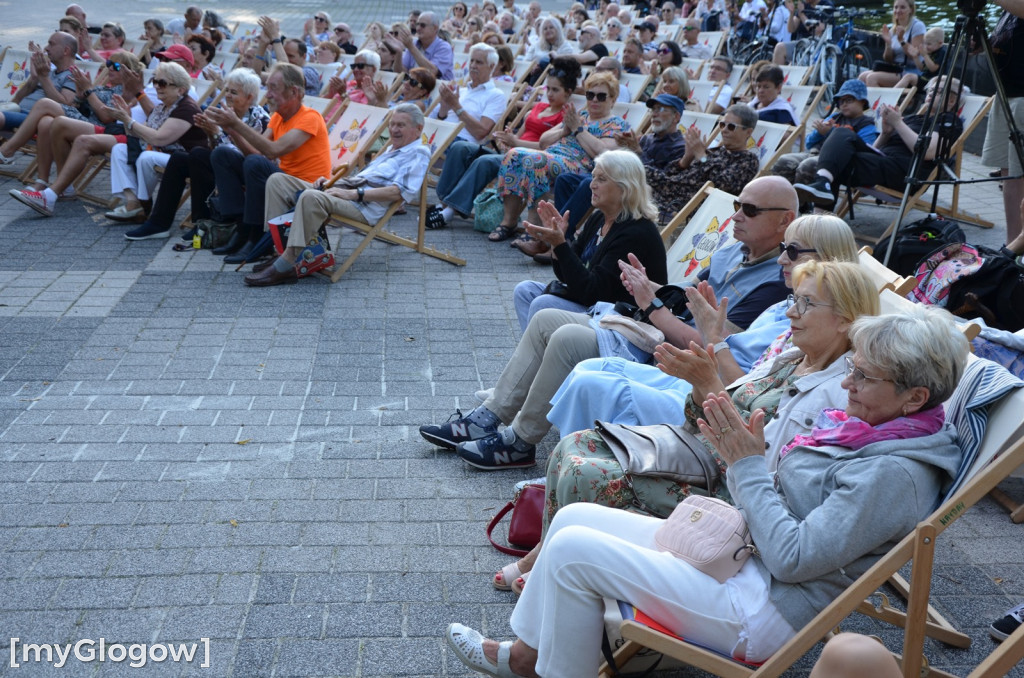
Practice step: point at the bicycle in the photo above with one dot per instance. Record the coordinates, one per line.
(837, 60)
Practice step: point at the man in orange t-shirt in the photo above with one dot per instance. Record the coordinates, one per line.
(295, 142)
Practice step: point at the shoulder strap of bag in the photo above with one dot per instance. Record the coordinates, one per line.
(507, 550)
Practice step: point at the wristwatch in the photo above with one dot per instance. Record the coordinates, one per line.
(656, 303)
(360, 192)
(720, 346)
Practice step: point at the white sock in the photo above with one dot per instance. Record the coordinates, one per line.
(826, 174)
(50, 195)
(447, 213)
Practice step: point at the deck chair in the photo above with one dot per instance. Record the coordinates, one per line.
(973, 110)
(706, 226)
(795, 75)
(460, 69)
(636, 83)
(804, 99)
(769, 141)
(693, 67)
(391, 80)
(355, 130)
(899, 98)
(883, 276)
(460, 46)
(891, 302)
(706, 123)
(14, 70)
(225, 61)
(438, 135)
(325, 72)
(615, 48)
(637, 115)
(713, 39)
(705, 92)
(985, 409)
(521, 69)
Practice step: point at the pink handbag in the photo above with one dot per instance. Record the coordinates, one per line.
(709, 534)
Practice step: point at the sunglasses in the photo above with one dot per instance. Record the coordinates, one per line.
(731, 126)
(319, 18)
(600, 96)
(340, 30)
(359, 67)
(395, 33)
(664, 50)
(751, 210)
(161, 83)
(421, 24)
(116, 65)
(691, 28)
(412, 81)
(792, 251)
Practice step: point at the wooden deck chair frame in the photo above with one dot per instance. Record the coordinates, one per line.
(525, 110)
(921, 199)
(376, 231)
(883, 275)
(918, 546)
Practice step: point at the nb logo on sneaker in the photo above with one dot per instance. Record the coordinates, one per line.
(460, 429)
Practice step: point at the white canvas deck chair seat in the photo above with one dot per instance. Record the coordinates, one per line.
(637, 83)
(697, 231)
(804, 100)
(769, 141)
(358, 126)
(713, 40)
(890, 96)
(438, 135)
(706, 123)
(705, 92)
(226, 61)
(693, 67)
(973, 110)
(985, 410)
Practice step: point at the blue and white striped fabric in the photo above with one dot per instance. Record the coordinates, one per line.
(983, 384)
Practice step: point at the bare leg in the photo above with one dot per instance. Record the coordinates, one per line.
(525, 563)
(63, 133)
(131, 201)
(44, 154)
(851, 655)
(522, 658)
(779, 54)
(82, 149)
(43, 108)
(513, 205)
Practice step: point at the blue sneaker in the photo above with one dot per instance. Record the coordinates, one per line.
(494, 453)
(458, 429)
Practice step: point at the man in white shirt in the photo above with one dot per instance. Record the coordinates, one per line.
(691, 47)
(184, 27)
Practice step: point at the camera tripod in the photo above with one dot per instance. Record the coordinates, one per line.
(969, 25)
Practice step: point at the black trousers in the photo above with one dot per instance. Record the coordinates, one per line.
(852, 162)
(193, 165)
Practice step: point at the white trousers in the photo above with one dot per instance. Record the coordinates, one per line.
(141, 179)
(594, 552)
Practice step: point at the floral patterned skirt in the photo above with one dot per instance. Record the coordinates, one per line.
(583, 468)
(530, 174)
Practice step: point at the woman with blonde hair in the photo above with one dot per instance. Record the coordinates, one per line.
(905, 29)
(526, 175)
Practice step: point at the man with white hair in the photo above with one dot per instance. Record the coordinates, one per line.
(478, 106)
(427, 50)
(669, 16)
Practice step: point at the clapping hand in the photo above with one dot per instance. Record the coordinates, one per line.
(554, 226)
(83, 80)
(695, 364)
(570, 118)
(708, 314)
(634, 278)
(628, 141)
(725, 429)
(121, 108)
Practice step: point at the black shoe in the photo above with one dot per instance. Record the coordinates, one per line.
(458, 429)
(1002, 628)
(231, 246)
(189, 234)
(242, 254)
(819, 192)
(492, 453)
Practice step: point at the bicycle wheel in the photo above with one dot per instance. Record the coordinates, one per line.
(855, 60)
(803, 52)
(828, 71)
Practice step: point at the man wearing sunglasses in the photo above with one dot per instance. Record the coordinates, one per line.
(591, 47)
(669, 17)
(426, 49)
(691, 47)
(343, 37)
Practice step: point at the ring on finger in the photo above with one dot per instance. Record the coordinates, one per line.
(725, 429)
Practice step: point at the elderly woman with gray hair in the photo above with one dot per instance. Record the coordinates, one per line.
(819, 520)
(241, 91)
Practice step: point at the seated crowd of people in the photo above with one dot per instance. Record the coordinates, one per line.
(775, 358)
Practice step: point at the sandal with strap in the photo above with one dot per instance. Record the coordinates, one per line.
(502, 580)
(502, 233)
(519, 583)
(468, 646)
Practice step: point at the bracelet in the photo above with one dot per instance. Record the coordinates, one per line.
(276, 41)
(129, 125)
(720, 346)
(142, 93)
(86, 93)
(459, 112)
(360, 192)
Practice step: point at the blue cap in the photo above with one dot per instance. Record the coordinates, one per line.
(670, 100)
(855, 89)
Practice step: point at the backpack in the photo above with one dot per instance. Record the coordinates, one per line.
(916, 241)
(973, 281)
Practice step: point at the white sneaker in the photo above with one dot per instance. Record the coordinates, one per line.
(4, 160)
(34, 199)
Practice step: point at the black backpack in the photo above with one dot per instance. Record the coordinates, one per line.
(995, 292)
(916, 241)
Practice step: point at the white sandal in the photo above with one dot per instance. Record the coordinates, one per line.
(509, 574)
(519, 583)
(468, 646)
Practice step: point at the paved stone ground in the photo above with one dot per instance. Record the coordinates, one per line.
(185, 457)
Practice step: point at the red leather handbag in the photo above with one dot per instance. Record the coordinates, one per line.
(524, 527)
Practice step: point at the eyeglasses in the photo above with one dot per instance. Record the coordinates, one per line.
(359, 67)
(857, 375)
(412, 81)
(801, 304)
(664, 50)
(846, 100)
(161, 83)
(792, 251)
(341, 30)
(751, 210)
(600, 96)
(114, 64)
(422, 24)
(731, 126)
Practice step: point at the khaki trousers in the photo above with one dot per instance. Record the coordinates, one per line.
(311, 211)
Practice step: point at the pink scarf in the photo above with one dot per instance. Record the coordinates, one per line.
(835, 427)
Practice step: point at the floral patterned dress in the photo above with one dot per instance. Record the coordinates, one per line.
(582, 468)
(672, 188)
(530, 173)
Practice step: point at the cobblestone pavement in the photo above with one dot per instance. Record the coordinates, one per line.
(185, 457)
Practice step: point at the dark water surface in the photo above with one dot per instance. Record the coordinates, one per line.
(931, 13)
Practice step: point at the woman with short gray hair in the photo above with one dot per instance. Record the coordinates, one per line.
(241, 91)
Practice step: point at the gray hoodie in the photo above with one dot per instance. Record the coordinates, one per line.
(836, 511)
